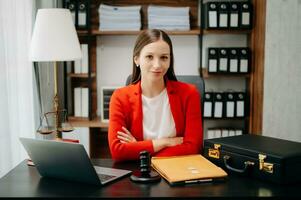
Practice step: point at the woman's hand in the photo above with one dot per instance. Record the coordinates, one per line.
(125, 136)
(166, 142)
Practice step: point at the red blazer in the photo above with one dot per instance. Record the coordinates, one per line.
(126, 110)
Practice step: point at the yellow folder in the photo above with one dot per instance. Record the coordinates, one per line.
(187, 169)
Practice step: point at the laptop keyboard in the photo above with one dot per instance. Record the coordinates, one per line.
(105, 177)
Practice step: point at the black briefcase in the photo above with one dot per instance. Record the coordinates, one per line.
(257, 156)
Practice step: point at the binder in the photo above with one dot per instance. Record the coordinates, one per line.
(82, 14)
(72, 6)
(240, 104)
(77, 66)
(223, 15)
(234, 15)
(85, 102)
(244, 60)
(238, 132)
(85, 58)
(211, 18)
(231, 132)
(233, 60)
(212, 60)
(225, 132)
(178, 170)
(246, 11)
(230, 105)
(223, 60)
(218, 105)
(77, 102)
(210, 133)
(218, 133)
(208, 103)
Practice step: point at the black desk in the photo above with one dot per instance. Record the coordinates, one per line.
(24, 181)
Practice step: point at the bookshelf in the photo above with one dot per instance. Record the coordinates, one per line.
(97, 128)
(217, 33)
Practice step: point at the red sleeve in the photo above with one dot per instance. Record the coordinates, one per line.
(193, 130)
(118, 115)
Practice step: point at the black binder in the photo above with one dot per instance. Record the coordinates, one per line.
(223, 60)
(213, 60)
(211, 15)
(223, 15)
(72, 6)
(233, 60)
(246, 13)
(234, 15)
(240, 104)
(208, 105)
(244, 60)
(218, 105)
(83, 14)
(229, 105)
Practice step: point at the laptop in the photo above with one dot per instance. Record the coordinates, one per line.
(68, 161)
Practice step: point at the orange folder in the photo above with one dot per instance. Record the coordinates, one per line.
(187, 169)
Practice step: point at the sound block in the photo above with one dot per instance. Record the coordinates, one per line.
(148, 178)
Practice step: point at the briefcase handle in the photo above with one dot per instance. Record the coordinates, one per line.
(248, 165)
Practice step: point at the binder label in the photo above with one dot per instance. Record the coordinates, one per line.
(212, 19)
(212, 65)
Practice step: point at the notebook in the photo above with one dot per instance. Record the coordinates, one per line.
(68, 161)
(187, 169)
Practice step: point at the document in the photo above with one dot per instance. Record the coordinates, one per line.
(187, 169)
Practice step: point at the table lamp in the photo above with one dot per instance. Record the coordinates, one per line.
(54, 39)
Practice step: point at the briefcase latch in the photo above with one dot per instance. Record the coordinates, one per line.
(214, 153)
(264, 166)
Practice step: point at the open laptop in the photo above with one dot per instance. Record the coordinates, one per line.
(68, 161)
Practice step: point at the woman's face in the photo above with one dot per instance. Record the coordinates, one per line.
(154, 60)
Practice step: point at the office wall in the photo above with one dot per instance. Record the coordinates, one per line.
(282, 74)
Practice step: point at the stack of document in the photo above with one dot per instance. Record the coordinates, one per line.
(119, 18)
(168, 18)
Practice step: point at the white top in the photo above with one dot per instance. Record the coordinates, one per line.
(158, 121)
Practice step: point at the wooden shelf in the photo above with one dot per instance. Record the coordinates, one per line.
(82, 32)
(226, 31)
(84, 122)
(190, 32)
(214, 75)
(81, 75)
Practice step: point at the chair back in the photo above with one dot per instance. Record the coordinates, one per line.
(192, 79)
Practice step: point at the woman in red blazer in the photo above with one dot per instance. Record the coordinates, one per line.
(156, 113)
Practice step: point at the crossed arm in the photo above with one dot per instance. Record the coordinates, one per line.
(125, 136)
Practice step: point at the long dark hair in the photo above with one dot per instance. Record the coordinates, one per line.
(145, 38)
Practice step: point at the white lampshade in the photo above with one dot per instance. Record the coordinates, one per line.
(54, 36)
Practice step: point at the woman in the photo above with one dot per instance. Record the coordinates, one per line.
(155, 113)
